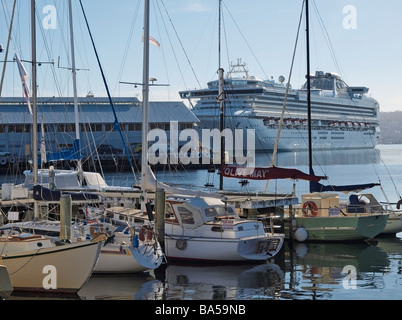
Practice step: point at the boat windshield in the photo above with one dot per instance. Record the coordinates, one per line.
(220, 211)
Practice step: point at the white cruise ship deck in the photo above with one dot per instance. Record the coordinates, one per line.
(343, 117)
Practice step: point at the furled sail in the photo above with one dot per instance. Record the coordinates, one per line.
(151, 183)
(266, 173)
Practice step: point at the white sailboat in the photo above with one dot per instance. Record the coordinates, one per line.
(34, 263)
(123, 252)
(200, 226)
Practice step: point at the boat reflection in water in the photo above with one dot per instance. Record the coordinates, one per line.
(329, 271)
(190, 282)
(223, 282)
(304, 271)
(120, 287)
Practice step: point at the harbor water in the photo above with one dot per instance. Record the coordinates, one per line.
(301, 271)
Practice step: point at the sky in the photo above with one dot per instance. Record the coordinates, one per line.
(359, 39)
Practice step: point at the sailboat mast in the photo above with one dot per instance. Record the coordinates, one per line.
(310, 156)
(74, 75)
(145, 103)
(34, 105)
(221, 99)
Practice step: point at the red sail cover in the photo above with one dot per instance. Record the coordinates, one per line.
(267, 173)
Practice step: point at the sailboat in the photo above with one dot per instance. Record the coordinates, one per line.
(33, 262)
(123, 252)
(199, 226)
(321, 216)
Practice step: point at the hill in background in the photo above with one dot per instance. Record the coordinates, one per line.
(391, 127)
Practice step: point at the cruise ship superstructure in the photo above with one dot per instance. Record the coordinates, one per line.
(343, 117)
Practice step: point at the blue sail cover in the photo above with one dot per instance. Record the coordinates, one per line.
(70, 154)
(318, 187)
(41, 193)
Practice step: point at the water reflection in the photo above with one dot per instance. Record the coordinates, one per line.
(119, 287)
(302, 271)
(328, 271)
(222, 282)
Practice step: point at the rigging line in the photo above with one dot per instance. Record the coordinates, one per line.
(181, 44)
(286, 94)
(47, 49)
(116, 123)
(226, 39)
(7, 48)
(130, 36)
(328, 40)
(245, 40)
(162, 47)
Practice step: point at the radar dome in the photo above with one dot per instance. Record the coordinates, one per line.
(281, 79)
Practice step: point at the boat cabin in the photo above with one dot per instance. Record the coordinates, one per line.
(192, 212)
(320, 204)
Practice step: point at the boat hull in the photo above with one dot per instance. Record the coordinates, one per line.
(60, 269)
(342, 228)
(393, 226)
(117, 258)
(223, 249)
(5, 283)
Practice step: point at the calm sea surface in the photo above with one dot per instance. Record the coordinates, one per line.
(302, 271)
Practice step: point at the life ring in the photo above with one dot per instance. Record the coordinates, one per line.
(3, 161)
(12, 159)
(96, 157)
(310, 209)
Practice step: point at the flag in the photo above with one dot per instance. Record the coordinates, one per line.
(152, 40)
(43, 145)
(24, 78)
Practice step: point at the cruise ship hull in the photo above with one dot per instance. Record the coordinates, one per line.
(294, 137)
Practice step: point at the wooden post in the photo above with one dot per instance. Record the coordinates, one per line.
(160, 205)
(65, 217)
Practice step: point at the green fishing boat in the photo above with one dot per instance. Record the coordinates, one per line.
(322, 217)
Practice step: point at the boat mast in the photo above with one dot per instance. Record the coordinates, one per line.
(310, 154)
(221, 99)
(145, 106)
(34, 105)
(74, 74)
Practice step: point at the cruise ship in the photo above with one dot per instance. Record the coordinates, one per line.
(343, 117)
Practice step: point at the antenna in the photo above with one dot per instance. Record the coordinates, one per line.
(67, 68)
